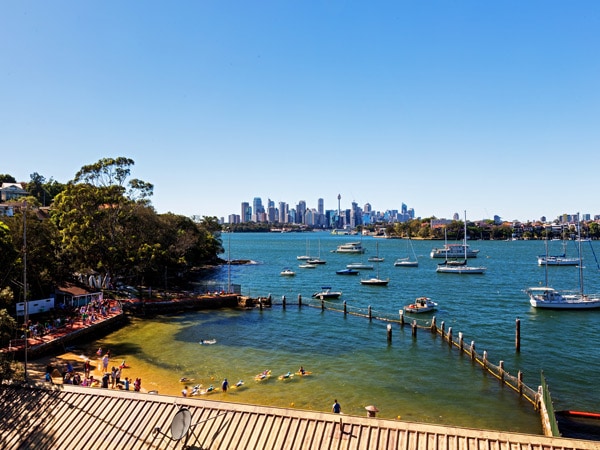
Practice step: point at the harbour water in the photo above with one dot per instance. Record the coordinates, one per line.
(416, 379)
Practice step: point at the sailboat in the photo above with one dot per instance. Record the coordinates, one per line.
(375, 281)
(460, 267)
(318, 259)
(557, 260)
(307, 256)
(407, 261)
(550, 298)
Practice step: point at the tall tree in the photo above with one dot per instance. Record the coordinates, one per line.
(93, 211)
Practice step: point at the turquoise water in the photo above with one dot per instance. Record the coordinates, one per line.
(418, 379)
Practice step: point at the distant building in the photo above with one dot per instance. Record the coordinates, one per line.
(12, 191)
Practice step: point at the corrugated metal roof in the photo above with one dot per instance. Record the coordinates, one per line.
(73, 417)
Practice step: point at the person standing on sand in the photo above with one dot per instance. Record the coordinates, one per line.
(87, 368)
(184, 392)
(225, 385)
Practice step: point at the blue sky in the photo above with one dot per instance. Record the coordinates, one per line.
(488, 107)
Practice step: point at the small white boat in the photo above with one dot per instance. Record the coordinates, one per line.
(421, 305)
(327, 294)
(406, 262)
(287, 273)
(375, 281)
(307, 266)
(359, 266)
(376, 259)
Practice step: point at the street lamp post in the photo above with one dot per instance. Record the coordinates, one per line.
(229, 261)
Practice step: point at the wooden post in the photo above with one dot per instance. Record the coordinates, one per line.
(450, 336)
(442, 331)
(414, 328)
(322, 305)
(520, 382)
(299, 299)
(433, 325)
(501, 365)
(389, 333)
(518, 336)
(283, 301)
(401, 312)
(345, 308)
(370, 313)
(472, 350)
(260, 303)
(485, 358)
(461, 341)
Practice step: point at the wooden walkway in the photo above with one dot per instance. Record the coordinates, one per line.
(73, 417)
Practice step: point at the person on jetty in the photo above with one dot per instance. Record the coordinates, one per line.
(336, 408)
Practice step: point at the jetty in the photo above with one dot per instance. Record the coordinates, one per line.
(66, 416)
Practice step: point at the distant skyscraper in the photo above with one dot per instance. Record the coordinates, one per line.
(257, 205)
(246, 215)
(367, 208)
(321, 206)
(300, 211)
(283, 212)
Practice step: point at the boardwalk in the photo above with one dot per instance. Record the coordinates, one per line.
(72, 417)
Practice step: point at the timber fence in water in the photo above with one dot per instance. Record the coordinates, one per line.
(498, 371)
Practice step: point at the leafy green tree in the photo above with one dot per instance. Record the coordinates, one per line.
(6, 178)
(92, 215)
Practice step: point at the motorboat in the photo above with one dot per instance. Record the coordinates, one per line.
(421, 305)
(287, 273)
(350, 247)
(557, 260)
(347, 272)
(454, 251)
(327, 294)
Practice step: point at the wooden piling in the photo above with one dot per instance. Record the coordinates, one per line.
(442, 331)
(322, 305)
(389, 333)
(501, 366)
(520, 382)
(450, 336)
(433, 325)
(472, 350)
(370, 313)
(485, 359)
(260, 304)
(283, 301)
(461, 341)
(345, 308)
(518, 336)
(414, 328)
(401, 313)
(299, 299)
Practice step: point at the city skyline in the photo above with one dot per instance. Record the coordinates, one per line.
(479, 106)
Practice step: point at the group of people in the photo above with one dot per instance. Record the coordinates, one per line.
(110, 378)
